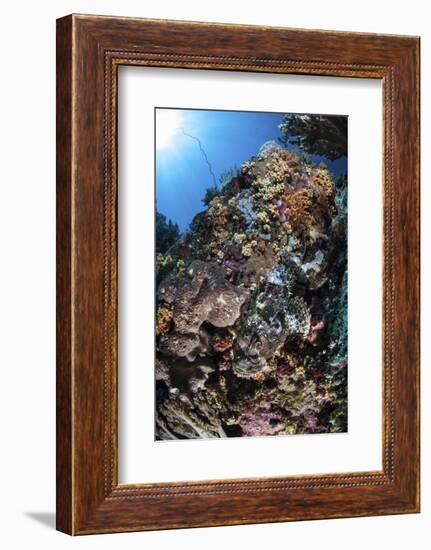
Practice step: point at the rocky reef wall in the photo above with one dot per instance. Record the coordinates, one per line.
(251, 333)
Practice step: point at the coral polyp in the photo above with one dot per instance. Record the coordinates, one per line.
(251, 333)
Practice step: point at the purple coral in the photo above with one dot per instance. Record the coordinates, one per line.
(233, 258)
(263, 422)
(281, 209)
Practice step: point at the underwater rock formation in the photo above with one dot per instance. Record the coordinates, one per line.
(251, 318)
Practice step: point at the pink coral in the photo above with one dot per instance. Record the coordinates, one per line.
(263, 422)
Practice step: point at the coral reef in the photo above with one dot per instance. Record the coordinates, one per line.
(251, 319)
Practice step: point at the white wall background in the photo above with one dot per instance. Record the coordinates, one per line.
(27, 279)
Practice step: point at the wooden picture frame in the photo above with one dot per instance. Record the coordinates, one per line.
(89, 51)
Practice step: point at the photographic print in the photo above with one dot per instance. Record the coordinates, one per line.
(251, 273)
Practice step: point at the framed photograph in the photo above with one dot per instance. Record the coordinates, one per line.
(237, 274)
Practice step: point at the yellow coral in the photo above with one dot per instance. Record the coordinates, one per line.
(248, 248)
(322, 178)
(164, 320)
(247, 167)
(273, 210)
(164, 261)
(290, 429)
(239, 237)
(279, 169)
(181, 266)
(262, 217)
(261, 246)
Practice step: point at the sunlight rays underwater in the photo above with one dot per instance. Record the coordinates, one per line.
(227, 138)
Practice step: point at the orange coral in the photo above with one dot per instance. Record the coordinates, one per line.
(221, 344)
(164, 321)
(298, 207)
(323, 180)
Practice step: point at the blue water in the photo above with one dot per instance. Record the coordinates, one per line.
(228, 138)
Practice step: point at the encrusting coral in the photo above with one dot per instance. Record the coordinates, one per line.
(252, 307)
